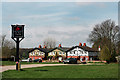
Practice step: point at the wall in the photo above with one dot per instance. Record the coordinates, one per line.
(77, 52)
(57, 52)
(93, 53)
(36, 54)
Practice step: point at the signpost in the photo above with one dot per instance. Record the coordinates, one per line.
(17, 36)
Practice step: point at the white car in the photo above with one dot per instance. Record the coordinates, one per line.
(26, 60)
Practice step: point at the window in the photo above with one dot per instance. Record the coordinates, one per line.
(85, 52)
(82, 52)
(30, 54)
(42, 53)
(59, 53)
(72, 52)
(39, 53)
(53, 53)
(33, 53)
(76, 52)
(50, 53)
(36, 54)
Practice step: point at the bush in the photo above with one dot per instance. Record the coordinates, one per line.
(105, 54)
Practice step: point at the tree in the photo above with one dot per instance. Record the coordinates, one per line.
(105, 54)
(3, 40)
(105, 33)
(118, 44)
(7, 47)
(24, 55)
(50, 42)
(6, 43)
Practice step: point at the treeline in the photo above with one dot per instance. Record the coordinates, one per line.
(8, 48)
(107, 36)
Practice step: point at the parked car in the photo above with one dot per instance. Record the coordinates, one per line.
(70, 61)
(37, 60)
(27, 60)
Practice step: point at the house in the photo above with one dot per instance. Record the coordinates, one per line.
(82, 52)
(58, 52)
(39, 53)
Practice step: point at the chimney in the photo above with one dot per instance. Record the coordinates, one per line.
(99, 48)
(44, 46)
(59, 46)
(40, 46)
(84, 44)
(80, 44)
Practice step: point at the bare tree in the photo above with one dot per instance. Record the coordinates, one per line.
(3, 40)
(6, 46)
(105, 33)
(49, 42)
(118, 43)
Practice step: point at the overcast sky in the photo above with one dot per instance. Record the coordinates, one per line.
(67, 22)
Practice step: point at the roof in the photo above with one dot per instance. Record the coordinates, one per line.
(64, 49)
(86, 48)
(45, 50)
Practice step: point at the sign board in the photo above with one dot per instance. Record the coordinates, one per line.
(17, 31)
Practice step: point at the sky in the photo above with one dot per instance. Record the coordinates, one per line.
(67, 22)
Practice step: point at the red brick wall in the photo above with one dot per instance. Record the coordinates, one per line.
(36, 57)
(72, 56)
(78, 57)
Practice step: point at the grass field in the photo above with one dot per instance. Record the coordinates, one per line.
(4, 63)
(68, 71)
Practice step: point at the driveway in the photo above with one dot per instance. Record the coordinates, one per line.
(13, 67)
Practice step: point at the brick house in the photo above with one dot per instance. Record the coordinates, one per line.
(82, 52)
(58, 52)
(39, 53)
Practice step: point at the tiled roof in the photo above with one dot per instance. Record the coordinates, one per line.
(86, 48)
(45, 50)
(64, 49)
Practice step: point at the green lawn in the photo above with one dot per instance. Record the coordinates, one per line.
(68, 71)
(4, 63)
